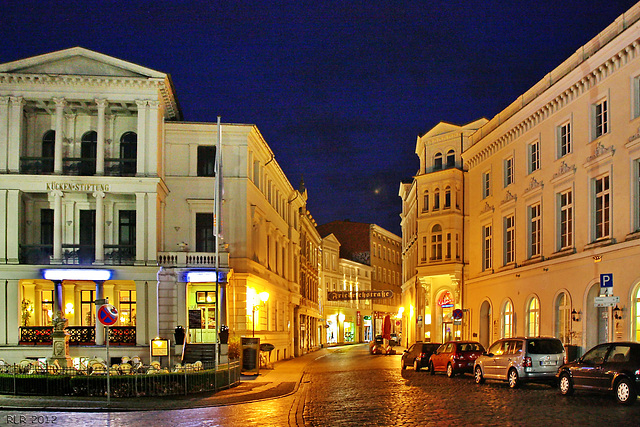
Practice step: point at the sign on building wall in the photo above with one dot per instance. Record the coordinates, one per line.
(352, 296)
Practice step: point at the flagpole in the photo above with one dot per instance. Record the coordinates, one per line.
(216, 230)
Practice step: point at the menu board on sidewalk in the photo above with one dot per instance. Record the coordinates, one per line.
(195, 319)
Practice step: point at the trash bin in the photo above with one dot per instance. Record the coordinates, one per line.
(572, 352)
(179, 333)
(250, 356)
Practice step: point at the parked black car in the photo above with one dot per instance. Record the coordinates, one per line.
(418, 355)
(611, 367)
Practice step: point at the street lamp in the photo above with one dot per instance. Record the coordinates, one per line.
(258, 301)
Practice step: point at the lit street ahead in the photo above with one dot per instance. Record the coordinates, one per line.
(347, 386)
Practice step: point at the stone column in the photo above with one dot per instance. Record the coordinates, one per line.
(57, 161)
(14, 305)
(4, 132)
(152, 147)
(3, 230)
(16, 119)
(142, 138)
(102, 105)
(99, 251)
(98, 326)
(151, 220)
(57, 226)
(142, 336)
(13, 225)
(141, 222)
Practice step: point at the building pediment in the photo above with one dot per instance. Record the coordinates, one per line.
(78, 61)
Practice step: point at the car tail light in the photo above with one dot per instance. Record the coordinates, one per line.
(457, 356)
(527, 362)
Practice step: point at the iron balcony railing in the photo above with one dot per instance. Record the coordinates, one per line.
(77, 166)
(78, 335)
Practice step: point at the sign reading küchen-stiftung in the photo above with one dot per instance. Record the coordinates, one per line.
(351, 296)
(70, 186)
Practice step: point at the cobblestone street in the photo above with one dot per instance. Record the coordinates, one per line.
(346, 386)
(351, 387)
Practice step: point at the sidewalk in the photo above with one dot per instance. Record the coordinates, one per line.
(280, 381)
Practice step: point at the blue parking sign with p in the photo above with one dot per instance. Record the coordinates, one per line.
(606, 280)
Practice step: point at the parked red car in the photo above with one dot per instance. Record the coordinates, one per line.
(455, 357)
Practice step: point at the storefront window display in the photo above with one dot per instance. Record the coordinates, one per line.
(349, 332)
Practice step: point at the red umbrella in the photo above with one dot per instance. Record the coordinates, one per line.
(386, 328)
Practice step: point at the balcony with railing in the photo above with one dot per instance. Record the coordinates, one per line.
(192, 259)
(78, 335)
(77, 166)
(77, 254)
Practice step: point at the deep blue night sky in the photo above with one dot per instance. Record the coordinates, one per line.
(340, 90)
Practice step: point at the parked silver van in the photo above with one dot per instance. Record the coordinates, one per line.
(521, 359)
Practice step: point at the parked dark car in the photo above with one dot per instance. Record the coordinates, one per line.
(418, 355)
(522, 359)
(455, 357)
(611, 367)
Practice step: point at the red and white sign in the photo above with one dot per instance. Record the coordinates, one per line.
(107, 315)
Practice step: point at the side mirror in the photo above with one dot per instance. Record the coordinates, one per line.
(489, 354)
(406, 351)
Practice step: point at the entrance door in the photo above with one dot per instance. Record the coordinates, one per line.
(485, 324)
(207, 331)
(87, 249)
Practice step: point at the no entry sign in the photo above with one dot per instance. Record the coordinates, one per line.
(107, 315)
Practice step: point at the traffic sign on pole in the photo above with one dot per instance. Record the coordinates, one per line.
(107, 315)
(606, 284)
(606, 301)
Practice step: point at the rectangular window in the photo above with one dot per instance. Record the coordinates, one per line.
(534, 156)
(127, 310)
(47, 308)
(204, 232)
(46, 231)
(448, 250)
(486, 248)
(601, 118)
(534, 230)
(425, 207)
(87, 305)
(508, 171)
(602, 207)
(509, 239)
(566, 219)
(206, 160)
(564, 139)
(486, 184)
(127, 234)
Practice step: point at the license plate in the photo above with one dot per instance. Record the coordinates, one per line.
(548, 363)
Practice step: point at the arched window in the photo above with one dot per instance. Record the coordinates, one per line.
(425, 207)
(88, 151)
(451, 159)
(436, 242)
(437, 161)
(48, 150)
(436, 199)
(533, 317)
(563, 318)
(507, 322)
(128, 153)
(638, 315)
(447, 197)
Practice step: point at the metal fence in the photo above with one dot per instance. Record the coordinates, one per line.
(50, 380)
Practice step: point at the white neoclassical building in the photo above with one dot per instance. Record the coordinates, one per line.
(102, 183)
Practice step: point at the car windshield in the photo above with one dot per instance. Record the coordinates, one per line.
(542, 346)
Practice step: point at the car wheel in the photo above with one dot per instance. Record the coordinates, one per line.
(477, 375)
(432, 370)
(566, 386)
(416, 365)
(450, 372)
(625, 393)
(404, 366)
(513, 379)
